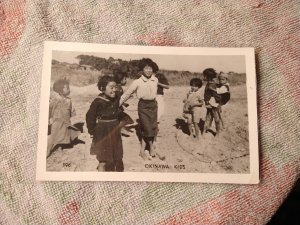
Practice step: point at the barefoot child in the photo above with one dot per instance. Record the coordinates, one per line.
(210, 96)
(192, 107)
(146, 89)
(103, 124)
(222, 89)
(60, 113)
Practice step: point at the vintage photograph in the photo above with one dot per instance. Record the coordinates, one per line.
(148, 113)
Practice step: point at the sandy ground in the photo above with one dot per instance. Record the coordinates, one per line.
(228, 153)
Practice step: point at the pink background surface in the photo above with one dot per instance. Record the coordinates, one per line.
(272, 27)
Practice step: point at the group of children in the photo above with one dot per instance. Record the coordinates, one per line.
(106, 117)
(216, 94)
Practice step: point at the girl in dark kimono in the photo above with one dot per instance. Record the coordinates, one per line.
(103, 124)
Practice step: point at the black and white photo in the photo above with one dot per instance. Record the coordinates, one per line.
(148, 113)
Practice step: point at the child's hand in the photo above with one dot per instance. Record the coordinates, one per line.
(208, 106)
(73, 113)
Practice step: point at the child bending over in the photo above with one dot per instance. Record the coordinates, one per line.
(60, 113)
(103, 125)
(192, 107)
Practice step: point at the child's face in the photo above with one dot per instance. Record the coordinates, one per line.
(66, 90)
(194, 88)
(124, 81)
(110, 90)
(222, 80)
(148, 71)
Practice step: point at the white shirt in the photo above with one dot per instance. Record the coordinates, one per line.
(145, 89)
(223, 89)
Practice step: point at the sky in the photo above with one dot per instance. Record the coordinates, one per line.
(192, 63)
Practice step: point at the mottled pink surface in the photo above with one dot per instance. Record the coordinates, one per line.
(271, 27)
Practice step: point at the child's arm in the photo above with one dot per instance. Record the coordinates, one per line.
(73, 111)
(162, 81)
(222, 90)
(91, 117)
(163, 85)
(128, 92)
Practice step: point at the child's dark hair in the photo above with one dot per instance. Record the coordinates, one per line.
(103, 81)
(58, 85)
(196, 82)
(148, 62)
(209, 73)
(118, 76)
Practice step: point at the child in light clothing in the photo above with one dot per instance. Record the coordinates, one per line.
(162, 84)
(145, 88)
(60, 113)
(192, 107)
(121, 79)
(103, 125)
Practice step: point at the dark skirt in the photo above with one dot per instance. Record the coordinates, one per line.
(147, 110)
(107, 141)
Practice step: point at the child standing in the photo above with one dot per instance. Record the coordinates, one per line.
(60, 113)
(162, 84)
(223, 92)
(192, 106)
(103, 124)
(146, 89)
(211, 95)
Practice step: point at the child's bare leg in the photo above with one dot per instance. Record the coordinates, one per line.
(220, 117)
(49, 146)
(101, 166)
(49, 150)
(142, 149)
(197, 130)
(119, 165)
(152, 149)
(217, 121)
(190, 124)
(208, 119)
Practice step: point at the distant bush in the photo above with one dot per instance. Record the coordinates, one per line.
(78, 77)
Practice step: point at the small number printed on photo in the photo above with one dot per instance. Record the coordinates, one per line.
(147, 113)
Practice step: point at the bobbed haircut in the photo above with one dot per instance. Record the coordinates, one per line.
(59, 84)
(118, 76)
(209, 73)
(197, 82)
(148, 62)
(103, 81)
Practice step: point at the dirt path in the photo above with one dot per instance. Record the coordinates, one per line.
(227, 154)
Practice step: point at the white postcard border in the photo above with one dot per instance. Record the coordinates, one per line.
(43, 175)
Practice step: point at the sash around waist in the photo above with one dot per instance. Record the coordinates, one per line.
(105, 120)
(147, 100)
